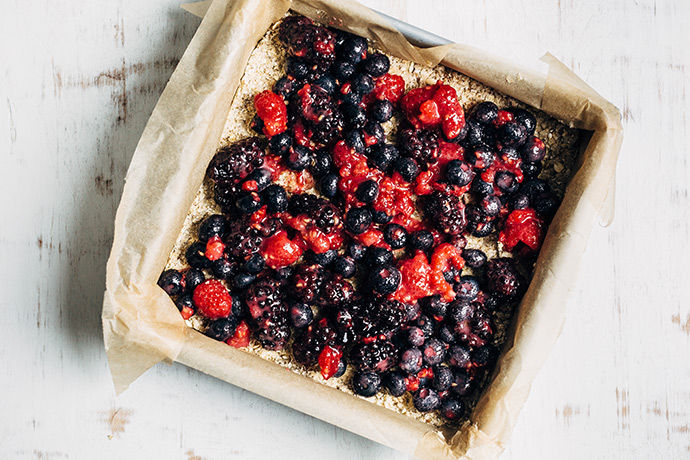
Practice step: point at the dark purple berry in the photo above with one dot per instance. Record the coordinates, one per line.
(459, 173)
(485, 112)
(467, 288)
(243, 280)
(355, 140)
(285, 87)
(445, 334)
(511, 133)
(275, 198)
(395, 383)
(327, 83)
(380, 217)
(298, 158)
(506, 181)
(484, 356)
(222, 329)
(214, 225)
(249, 202)
(443, 378)
(426, 400)
(185, 300)
(297, 68)
(381, 110)
(503, 279)
(375, 134)
(519, 201)
(254, 264)
(362, 83)
(353, 49)
(324, 258)
(480, 229)
(321, 163)
(376, 256)
(546, 205)
(384, 279)
(280, 143)
(459, 356)
(353, 116)
(482, 188)
(526, 119)
(411, 360)
(415, 336)
(421, 240)
(490, 206)
(531, 170)
(452, 409)
(395, 235)
(342, 367)
(474, 258)
(463, 384)
(480, 157)
(407, 168)
(261, 177)
(426, 325)
(434, 351)
(367, 191)
(355, 251)
(344, 266)
(329, 185)
(358, 220)
(343, 70)
(171, 282)
(196, 256)
(366, 384)
(223, 268)
(376, 65)
(534, 187)
(301, 315)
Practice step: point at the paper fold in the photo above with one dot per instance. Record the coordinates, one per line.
(141, 325)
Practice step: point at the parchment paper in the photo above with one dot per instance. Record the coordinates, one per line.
(142, 326)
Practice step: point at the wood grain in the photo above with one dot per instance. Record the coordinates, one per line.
(78, 83)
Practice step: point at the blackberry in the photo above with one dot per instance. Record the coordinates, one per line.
(407, 168)
(503, 279)
(323, 213)
(234, 162)
(262, 297)
(314, 44)
(225, 193)
(308, 345)
(171, 282)
(447, 212)
(336, 292)
(421, 240)
(390, 315)
(411, 360)
(222, 329)
(307, 283)
(273, 333)
(426, 400)
(242, 240)
(395, 383)
(395, 235)
(213, 225)
(366, 384)
(316, 109)
(421, 145)
(378, 356)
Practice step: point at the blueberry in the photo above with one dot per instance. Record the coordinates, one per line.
(355, 251)
(297, 68)
(434, 306)
(463, 383)
(239, 308)
(459, 356)
(355, 140)
(411, 360)
(534, 187)
(196, 256)
(506, 181)
(519, 201)
(546, 205)
(301, 315)
(531, 170)
(249, 202)
(283, 273)
(358, 220)
(222, 329)
(491, 303)
(243, 280)
(280, 143)
(446, 334)
(511, 133)
(381, 111)
(374, 131)
(192, 278)
(467, 288)
(342, 367)
(378, 256)
(426, 400)
(426, 324)
(412, 311)
(362, 83)
(214, 225)
(185, 300)
(366, 383)
(443, 378)
(329, 185)
(261, 177)
(459, 173)
(384, 279)
(255, 264)
(367, 191)
(321, 163)
(509, 154)
(480, 229)
(257, 125)
(344, 266)
(343, 70)
(171, 282)
(376, 65)
(325, 258)
(490, 205)
(285, 87)
(485, 112)
(474, 258)
(351, 97)
(482, 188)
(484, 356)
(395, 383)
(327, 83)
(476, 134)
(452, 409)
(382, 156)
(276, 199)
(526, 119)
(395, 235)
(298, 158)
(353, 115)
(353, 49)
(223, 268)
(415, 336)
(407, 168)
(434, 351)
(422, 240)
(480, 157)
(380, 217)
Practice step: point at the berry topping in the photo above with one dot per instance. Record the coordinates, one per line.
(503, 279)
(426, 400)
(280, 251)
(213, 299)
(384, 279)
(270, 107)
(366, 384)
(433, 106)
(241, 337)
(329, 360)
(171, 282)
(523, 229)
(222, 328)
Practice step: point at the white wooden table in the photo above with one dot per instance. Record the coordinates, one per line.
(78, 81)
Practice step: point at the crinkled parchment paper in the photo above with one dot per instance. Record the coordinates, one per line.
(142, 326)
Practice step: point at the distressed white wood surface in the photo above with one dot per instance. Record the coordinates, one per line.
(78, 81)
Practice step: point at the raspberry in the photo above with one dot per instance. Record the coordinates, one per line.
(389, 87)
(447, 212)
(214, 248)
(416, 279)
(522, 229)
(422, 145)
(279, 251)
(241, 337)
(271, 109)
(329, 359)
(213, 299)
(234, 162)
(432, 106)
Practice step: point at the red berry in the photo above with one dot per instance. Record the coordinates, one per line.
(522, 226)
(389, 87)
(213, 299)
(445, 256)
(279, 251)
(329, 358)
(241, 337)
(187, 312)
(271, 109)
(503, 117)
(215, 248)
(435, 105)
(416, 279)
